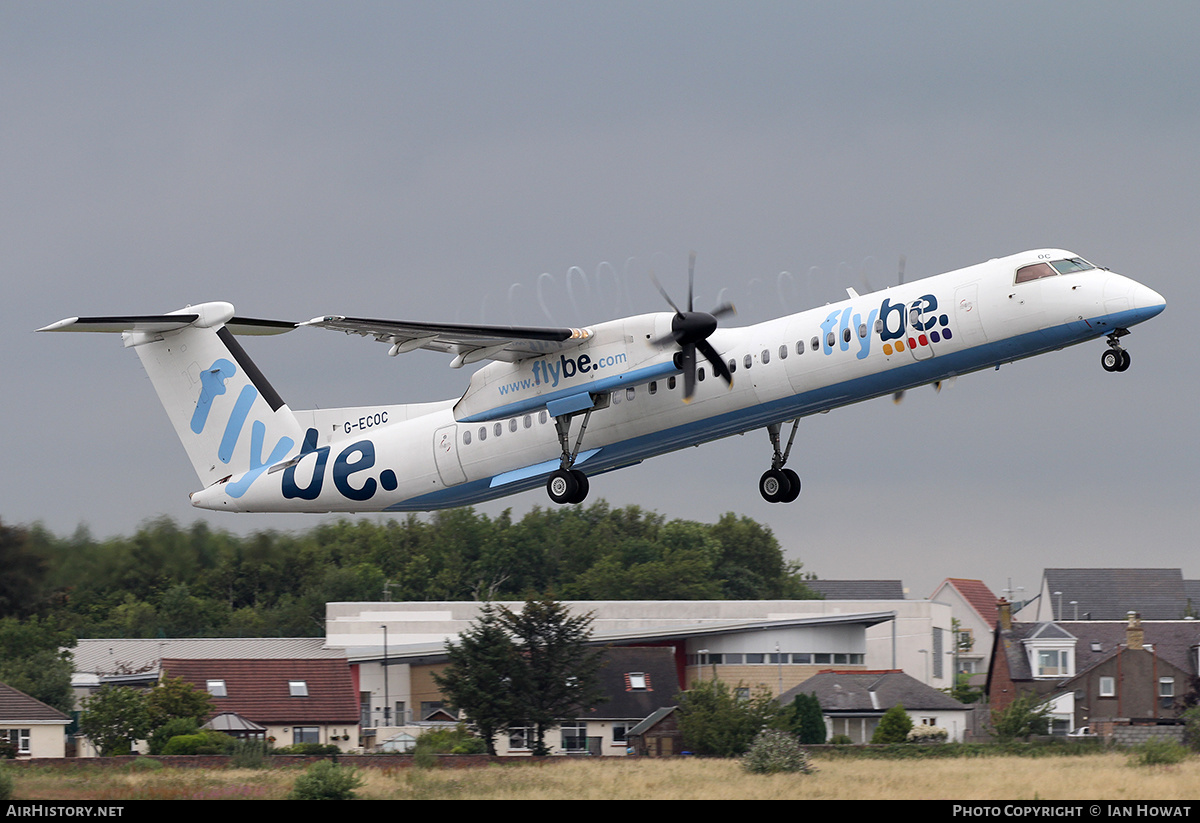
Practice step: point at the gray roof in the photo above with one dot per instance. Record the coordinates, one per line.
(858, 589)
(1096, 640)
(1110, 594)
(17, 706)
(131, 655)
(871, 693)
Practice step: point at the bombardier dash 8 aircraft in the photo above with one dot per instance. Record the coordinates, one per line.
(556, 406)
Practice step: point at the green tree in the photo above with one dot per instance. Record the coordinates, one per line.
(893, 727)
(806, 720)
(557, 672)
(114, 718)
(35, 658)
(715, 720)
(174, 697)
(480, 678)
(1025, 716)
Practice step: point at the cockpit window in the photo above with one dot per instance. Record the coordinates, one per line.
(1040, 270)
(1034, 272)
(1073, 265)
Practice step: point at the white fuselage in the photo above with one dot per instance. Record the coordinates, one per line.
(499, 438)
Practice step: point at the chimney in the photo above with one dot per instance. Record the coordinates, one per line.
(1005, 614)
(1134, 636)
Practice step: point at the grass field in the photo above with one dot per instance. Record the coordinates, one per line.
(1108, 776)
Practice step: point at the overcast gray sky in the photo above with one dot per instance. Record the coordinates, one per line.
(433, 160)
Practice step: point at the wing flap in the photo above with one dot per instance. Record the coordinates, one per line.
(468, 343)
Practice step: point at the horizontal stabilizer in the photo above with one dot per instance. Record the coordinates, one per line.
(206, 315)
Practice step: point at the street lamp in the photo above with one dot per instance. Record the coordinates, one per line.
(387, 697)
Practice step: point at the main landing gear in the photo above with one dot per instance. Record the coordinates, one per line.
(779, 484)
(1116, 358)
(567, 484)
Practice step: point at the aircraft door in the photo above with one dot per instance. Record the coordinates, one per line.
(445, 455)
(919, 339)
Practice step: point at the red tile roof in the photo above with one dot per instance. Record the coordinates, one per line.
(979, 596)
(258, 689)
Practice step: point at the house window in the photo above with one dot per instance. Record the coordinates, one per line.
(637, 682)
(619, 732)
(306, 734)
(1108, 687)
(1166, 687)
(521, 737)
(16, 737)
(298, 688)
(216, 688)
(574, 737)
(1052, 663)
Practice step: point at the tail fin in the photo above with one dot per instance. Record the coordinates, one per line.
(209, 386)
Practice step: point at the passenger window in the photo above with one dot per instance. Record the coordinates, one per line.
(830, 340)
(512, 425)
(616, 397)
(466, 437)
(700, 374)
(783, 352)
(629, 393)
(815, 343)
(799, 347)
(732, 365)
(482, 433)
(497, 429)
(766, 356)
(846, 335)
(654, 387)
(671, 383)
(862, 329)
(747, 361)
(528, 421)
(543, 416)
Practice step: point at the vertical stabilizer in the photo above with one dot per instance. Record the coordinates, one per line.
(229, 418)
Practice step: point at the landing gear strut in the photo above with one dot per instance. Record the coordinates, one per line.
(779, 484)
(1116, 358)
(567, 484)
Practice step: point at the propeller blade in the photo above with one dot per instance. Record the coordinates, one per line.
(723, 310)
(897, 397)
(719, 367)
(691, 278)
(689, 372)
(663, 292)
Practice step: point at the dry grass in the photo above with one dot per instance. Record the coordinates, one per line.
(1101, 777)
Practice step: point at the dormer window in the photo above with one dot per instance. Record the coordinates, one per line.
(298, 688)
(1053, 663)
(216, 688)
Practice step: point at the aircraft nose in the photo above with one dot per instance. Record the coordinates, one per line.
(1147, 300)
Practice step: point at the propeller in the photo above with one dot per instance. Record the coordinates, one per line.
(690, 331)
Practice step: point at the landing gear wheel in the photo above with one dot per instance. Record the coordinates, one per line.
(793, 486)
(562, 486)
(1115, 360)
(582, 486)
(775, 486)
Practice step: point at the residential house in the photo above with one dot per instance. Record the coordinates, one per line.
(297, 701)
(853, 702)
(139, 662)
(30, 726)
(1111, 594)
(636, 681)
(1093, 671)
(973, 608)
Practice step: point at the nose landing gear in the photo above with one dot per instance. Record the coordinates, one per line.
(1115, 358)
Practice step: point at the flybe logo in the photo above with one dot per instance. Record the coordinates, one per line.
(351, 468)
(212, 385)
(899, 326)
(551, 373)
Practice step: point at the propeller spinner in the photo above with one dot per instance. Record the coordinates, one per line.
(690, 331)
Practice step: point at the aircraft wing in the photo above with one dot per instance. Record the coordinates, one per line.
(468, 343)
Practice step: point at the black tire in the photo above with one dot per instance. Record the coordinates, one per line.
(793, 486)
(562, 486)
(582, 486)
(773, 485)
(1111, 360)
